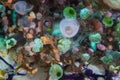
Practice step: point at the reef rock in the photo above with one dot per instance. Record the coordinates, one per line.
(114, 4)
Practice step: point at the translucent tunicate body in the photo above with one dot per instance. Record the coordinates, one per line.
(21, 7)
(69, 27)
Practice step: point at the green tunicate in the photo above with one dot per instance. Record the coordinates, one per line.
(84, 13)
(64, 45)
(56, 30)
(114, 54)
(112, 67)
(56, 72)
(118, 28)
(85, 57)
(93, 46)
(81, 4)
(97, 15)
(107, 21)
(38, 45)
(2, 43)
(10, 43)
(49, 29)
(95, 37)
(2, 8)
(107, 59)
(69, 12)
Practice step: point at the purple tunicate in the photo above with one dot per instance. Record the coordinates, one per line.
(88, 72)
(101, 47)
(90, 51)
(24, 22)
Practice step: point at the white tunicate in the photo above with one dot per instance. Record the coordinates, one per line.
(22, 72)
(77, 64)
(69, 27)
(21, 7)
(39, 16)
(32, 25)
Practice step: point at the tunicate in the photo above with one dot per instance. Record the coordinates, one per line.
(24, 22)
(69, 27)
(64, 45)
(21, 7)
(55, 72)
(38, 45)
